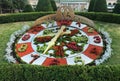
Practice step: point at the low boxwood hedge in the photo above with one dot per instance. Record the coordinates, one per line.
(104, 17)
(98, 16)
(17, 17)
(17, 72)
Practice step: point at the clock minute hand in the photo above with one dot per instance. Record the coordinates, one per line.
(52, 42)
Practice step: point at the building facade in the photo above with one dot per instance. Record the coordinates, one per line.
(76, 5)
(111, 4)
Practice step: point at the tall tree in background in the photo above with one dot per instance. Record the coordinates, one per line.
(118, 1)
(44, 5)
(98, 6)
(11, 5)
(117, 7)
(28, 8)
(6, 5)
(0, 7)
(91, 5)
(19, 4)
(53, 5)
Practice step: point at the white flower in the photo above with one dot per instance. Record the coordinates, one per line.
(8, 51)
(10, 58)
(108, 50)
(13, 36)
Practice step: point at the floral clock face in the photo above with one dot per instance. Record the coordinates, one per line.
(60, 43)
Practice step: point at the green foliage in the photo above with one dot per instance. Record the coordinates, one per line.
(11, 5)
(6, 4)
(91, 6)
(117, 8)
(20, 4)
(41, 49)
(28, 8)
(105, 17)
(13, 72)
(22, 17)
(78, 39)
(100, 16)
(118, 1)
(44, 5)
(53, 5)
(98, 6)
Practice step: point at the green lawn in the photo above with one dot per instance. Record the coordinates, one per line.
(114, 30)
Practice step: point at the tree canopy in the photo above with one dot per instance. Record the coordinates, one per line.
(28, 8)
(98, 6)
(117, 7)
(44, 5)
(53, 5)
(13, 4)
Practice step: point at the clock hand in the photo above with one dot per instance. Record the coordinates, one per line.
(52, 42)
(64, 33)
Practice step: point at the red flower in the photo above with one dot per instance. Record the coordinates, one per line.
(73, 32)
(26, 37)
(43, 39)
(97, 39)
(73, 46)
(59, 51)
(64, 22)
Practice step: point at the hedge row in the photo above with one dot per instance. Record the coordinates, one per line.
(105, 17)
(31, 16)
(14, 72)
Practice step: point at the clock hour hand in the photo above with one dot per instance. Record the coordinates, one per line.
(52, 42)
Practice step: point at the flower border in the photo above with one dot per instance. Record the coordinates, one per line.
(9, 50)
(108, 51)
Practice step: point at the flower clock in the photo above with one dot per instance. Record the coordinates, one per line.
(59, 39)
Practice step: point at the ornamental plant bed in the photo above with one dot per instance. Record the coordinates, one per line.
(64, 41)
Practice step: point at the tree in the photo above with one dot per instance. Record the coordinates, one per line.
(91, 6)
(19, 4)
(44, 5)
(0, 7)
(117, 8)
(6, 5)
(118, 1)
(28, 8)
(98, 6)
(53, 5)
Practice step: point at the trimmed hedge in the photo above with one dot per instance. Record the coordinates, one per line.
(105, 17)
(31, 16)
(94, 6)
(15, 72)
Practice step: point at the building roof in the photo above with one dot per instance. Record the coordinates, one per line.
(72, 0)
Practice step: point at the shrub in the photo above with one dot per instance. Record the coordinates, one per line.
(22, 17)
(15, 72)
(91, 6)
(98, 6)
(104, 17)
(117, 8)
(53, 5)
(28, 8)
(44, 5)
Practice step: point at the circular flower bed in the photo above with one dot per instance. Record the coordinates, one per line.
(59, 42)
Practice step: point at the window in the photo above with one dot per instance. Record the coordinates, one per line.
(114, 4)
(109, 3)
